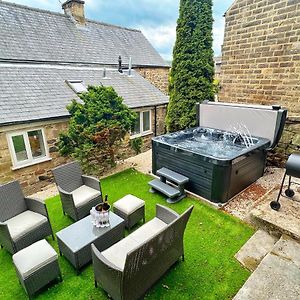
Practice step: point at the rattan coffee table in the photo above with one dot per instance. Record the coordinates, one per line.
(75, 241)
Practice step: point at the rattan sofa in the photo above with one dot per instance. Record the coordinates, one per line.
(78, 192)
(130, 267)
(23, 221)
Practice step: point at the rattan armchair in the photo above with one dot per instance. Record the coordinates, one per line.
(23, 221)
(78, 193)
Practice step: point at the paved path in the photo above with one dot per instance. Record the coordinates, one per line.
(278, 275)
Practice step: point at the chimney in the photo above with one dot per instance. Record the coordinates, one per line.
(75, 9)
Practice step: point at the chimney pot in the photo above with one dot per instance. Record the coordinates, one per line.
(75, 9)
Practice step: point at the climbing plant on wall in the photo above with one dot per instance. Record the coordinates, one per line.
(192, 72)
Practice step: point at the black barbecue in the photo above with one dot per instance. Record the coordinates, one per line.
(292, 169)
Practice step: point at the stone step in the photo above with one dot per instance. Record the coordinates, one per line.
(277, 276)
(286, 221)
(256, 248)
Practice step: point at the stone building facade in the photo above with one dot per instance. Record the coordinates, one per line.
(261, 61)
(41, 173)
(40, 79)
(158, 76)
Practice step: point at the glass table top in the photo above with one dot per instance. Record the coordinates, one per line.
(83, 232)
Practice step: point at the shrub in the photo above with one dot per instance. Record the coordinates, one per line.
(136, 144)
(97, 126)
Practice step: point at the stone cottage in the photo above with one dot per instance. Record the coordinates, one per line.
(46, 60)
(261, 61)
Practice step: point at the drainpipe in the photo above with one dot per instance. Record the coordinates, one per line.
(197, 107)
(155, 120)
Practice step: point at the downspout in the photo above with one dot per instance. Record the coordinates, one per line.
(155, 120)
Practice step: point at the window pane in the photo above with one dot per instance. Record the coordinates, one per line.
(36, 143)
(136, 128)
(19, 146)
(146, 120)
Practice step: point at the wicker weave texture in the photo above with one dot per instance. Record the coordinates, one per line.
(69, 177)
(11, 200)
(83, 255)
(40, 278)
(145, 264)
(133, 218)
(12, 196)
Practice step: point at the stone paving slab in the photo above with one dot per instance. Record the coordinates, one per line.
(256, 248)
(277, 277)
(285, 221)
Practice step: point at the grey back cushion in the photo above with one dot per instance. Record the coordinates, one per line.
(12, 201)
(68, 176)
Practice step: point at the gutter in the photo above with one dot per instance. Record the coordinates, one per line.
(33, 121)
(80, 63)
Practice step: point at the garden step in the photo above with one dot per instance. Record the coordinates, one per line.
(164, 188)
(172, 176)
(256, 248)
(277, 276)
(285, 221)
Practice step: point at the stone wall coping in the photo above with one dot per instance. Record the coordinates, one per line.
(293, 119)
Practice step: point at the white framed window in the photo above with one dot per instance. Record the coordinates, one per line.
(143, 124)
(27, 147)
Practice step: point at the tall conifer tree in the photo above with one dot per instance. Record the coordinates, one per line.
(191, 76)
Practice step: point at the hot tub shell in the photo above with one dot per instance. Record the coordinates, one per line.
(219, 179)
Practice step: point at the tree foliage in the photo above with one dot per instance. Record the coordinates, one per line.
(96, 128)
(192, 72)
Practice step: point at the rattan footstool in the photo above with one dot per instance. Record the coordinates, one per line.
(36, 266)
(131, 209)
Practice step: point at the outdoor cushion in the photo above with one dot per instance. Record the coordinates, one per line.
(33, 258)
(129, 204)
(24, 223)
(83, 195)
(148, 230)
(117, 253)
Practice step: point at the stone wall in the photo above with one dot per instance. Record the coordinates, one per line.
(289, 143)
(38, 175)
(158, 76)
(261, 57)
(126, 150)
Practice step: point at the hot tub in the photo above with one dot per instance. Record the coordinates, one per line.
(219, 161)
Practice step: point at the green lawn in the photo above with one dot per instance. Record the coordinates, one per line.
(208, 272)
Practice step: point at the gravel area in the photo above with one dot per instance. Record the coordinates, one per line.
(141, 162)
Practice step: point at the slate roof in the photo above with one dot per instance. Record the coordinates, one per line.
(37, 92)
(38, 35)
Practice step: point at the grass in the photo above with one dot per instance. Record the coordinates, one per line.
(210, 270)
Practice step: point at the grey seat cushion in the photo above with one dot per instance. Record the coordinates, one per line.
(83, 195)
(24, 223)
(33, 258)
(117, 253)
(129, 204)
